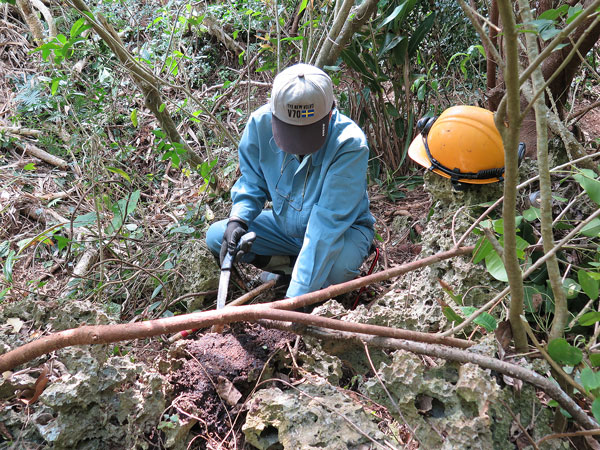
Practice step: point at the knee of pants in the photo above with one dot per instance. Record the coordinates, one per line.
(214, 236)
(347, 265)
(343, 270)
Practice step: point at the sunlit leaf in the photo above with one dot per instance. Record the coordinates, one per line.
(119, 172)
(302, 6)
(134, 119)
(495, 267)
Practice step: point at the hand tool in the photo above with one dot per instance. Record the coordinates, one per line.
(243, 247)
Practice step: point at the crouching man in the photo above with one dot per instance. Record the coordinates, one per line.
(310, 161)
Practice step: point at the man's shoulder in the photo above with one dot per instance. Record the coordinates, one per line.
(345, 129)
(262, 113)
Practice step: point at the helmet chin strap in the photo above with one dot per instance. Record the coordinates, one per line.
(457, 174)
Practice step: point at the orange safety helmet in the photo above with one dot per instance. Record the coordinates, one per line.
(462, 144)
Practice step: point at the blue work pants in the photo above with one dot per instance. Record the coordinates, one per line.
(272, 241)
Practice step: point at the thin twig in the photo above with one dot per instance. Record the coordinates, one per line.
(553, 363)
(518, 422)
(569, 434)
(385, 389)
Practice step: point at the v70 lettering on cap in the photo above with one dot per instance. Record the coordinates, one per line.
(300, 111)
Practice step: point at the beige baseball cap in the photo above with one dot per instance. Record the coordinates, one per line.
(301, 100)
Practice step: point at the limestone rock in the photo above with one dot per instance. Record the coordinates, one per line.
(315, 416)
(318, 361)
(97, 402)
(199, 270)
(456, 406)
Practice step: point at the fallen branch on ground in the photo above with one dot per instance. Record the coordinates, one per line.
(104, 334)
(21, 131)
(452, 354)
(32, 150)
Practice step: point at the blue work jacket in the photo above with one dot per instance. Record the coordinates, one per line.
(316, 199)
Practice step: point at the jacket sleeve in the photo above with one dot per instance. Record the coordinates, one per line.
(249, 192)
(336, 210)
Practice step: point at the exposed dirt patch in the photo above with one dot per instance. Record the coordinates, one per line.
(239, 355)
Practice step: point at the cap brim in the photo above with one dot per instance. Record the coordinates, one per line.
(418, 154)
(300, 140)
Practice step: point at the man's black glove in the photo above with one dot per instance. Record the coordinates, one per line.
(233, 233)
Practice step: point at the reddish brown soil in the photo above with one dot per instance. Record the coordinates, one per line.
(239, 355)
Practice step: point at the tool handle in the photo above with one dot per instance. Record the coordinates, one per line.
(246, 242)
(243, 246)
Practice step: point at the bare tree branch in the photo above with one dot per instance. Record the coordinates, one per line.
(451, 354)
(104, 334)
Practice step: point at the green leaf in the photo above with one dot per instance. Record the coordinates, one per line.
(134, 119)
(589, 182)
(420, 33)
(119, 172)
(184, 229)
(451, 315)
(552, 14)
(456, 298)
(54, 86)
(595, 359)
(590, 379)
(76, 28)
(61, 241)
(592, 229)
(352, 60)
(482, 249)
(588, 283)
(573, 12)
(85, 219)
(495, 267)
(564, 353)
(29, 167)
(484, 320)
(390, 42)
(596, 409)
(7, 269)
(156, 291)
(498, 226)
(571, 287)
(162, 107)
(589, 318)
(302, 6)
(548, 33)
(401, 9)
(532, 214)
(124, 208)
